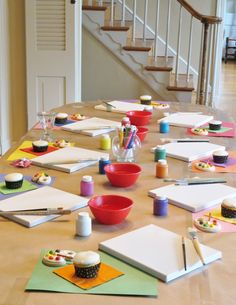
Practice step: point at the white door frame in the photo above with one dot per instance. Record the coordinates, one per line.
(5, 139)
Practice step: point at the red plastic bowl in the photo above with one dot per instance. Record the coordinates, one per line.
(110, 209)
(139, 117)
(142, 132)
(122, 174)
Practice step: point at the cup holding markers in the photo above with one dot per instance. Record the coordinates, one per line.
(126, 144)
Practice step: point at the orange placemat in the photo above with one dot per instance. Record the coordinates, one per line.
(30, 150)
(105, 274)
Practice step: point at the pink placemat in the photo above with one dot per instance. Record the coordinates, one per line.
(228, 133)
(225, 226)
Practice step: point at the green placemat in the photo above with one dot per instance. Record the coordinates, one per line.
(133, 282)
(223, 129)
(26, 186)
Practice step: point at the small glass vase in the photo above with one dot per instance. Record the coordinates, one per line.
(123, 154)
(46, 121)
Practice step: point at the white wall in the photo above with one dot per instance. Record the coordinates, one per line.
(104, 76)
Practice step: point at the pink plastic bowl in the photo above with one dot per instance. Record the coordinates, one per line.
(139, 117)
(110, 209)
(142, 132)
(122, 174)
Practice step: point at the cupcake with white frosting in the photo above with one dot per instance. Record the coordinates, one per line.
(61, 118)
(86, 264)
(40, 146)
(215, 125)
(14, 180)
(220, 156)
(145, 99)
(228, 208)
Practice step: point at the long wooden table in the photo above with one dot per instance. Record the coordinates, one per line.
(20, 246)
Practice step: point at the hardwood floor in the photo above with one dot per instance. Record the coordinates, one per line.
(227, 96)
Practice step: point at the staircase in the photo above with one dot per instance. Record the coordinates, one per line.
(164, 68)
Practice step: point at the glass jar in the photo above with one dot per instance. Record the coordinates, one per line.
(123, 154)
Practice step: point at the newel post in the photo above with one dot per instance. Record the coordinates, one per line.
(203, 66)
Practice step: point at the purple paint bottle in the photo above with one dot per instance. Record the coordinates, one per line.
(160, 206)
(86, 186)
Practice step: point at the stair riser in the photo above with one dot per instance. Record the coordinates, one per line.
(160, 76)
(181, 96)
(97, 17)
(118, 37)
(138, 56)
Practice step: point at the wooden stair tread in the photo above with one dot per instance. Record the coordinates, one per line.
(160, 63)
(115, 26)
(94, 6)
(138, 45)
(182, 84)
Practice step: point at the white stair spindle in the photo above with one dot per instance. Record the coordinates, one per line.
(167, 30)
(189, 47)
(123, 12)
(112, 12)
(134, 20)
(145, 19)
(199, 67)
(156, 30)
(178, 44)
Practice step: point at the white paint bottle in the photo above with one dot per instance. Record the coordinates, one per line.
(83, 224)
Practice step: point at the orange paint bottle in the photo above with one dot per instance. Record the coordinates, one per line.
(161, 169)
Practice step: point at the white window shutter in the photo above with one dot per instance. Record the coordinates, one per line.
(53, 51)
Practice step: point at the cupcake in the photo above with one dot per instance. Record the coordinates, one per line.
(228, 208)
(145, 99)
(86, 264)
(14, 180)
(40, 146)
(215, 125)
(220, 156)
(61, 118)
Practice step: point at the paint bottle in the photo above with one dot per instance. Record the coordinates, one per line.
(159, 153)
(160, 206)
(102, 163)
(162, 169)
(164, 126)
(105, 142)
(86, 186)
(125, 121)
(83, 224)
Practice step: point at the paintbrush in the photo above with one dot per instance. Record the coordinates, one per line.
(42, 212)
(193, 234)
(108, 104)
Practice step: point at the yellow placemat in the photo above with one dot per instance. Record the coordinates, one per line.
(18, 153)
(105, 274)
(217, 214)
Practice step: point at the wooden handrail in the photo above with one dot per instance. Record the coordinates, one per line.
(197, 15)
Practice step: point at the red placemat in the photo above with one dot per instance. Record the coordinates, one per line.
(30, 151)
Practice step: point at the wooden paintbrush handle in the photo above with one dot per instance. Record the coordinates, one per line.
(198, 249)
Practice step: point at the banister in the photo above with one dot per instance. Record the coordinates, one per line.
(197, 15)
